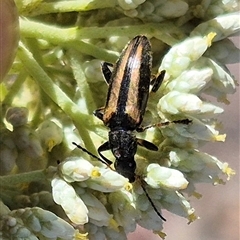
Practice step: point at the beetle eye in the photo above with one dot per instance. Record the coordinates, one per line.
(117, 154)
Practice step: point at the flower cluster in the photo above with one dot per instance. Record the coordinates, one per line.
(33, 223)
(50, 189)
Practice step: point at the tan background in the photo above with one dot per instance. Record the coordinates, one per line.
(219, 206)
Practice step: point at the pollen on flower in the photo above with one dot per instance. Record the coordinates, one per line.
(128, 186)
(51, 143)
(192, 217)
(113, 224)
(81, 236)
(210, 37)
(162, 235)
(95, 172)
(218, 181)
(220, 138)
(228, 171)
(197, 195)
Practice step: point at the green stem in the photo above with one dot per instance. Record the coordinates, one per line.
(68, 6)
(15, 88)
(92, 50)
(55, 35)
(33, 47)
(36, 119)
(12, 180)
(60, 36)
(83, 87)
(80, 120)
(162, 31)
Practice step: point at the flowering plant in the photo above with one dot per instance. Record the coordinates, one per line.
(49, 189)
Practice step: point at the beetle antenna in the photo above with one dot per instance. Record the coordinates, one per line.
(150, 200)
(89, 153)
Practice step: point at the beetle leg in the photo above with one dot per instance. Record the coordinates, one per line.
(104, 147)
(99, 113)
(106, 71)
(157, 81)
(183, 121)
(147, 144)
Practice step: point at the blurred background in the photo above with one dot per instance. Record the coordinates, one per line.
(218, 208)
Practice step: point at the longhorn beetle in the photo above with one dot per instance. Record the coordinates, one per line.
(127, 97)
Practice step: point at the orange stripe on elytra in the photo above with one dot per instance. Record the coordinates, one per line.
(116, 84)
(132, 108)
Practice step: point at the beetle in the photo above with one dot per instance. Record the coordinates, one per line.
(129, 85)
(127, 97)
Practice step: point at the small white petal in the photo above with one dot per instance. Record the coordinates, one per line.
(124, 209)
(177, 203)
(224, 51)
(97, 211)
(221, 79)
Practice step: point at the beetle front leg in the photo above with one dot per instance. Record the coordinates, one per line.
(102, 148)
(157, 81)
(99, 113)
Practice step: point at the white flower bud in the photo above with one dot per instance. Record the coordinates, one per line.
(17, 116)
(223, 26)
(168, 178)
(90, 69)
(65, 195)
(202, 166)
(173, 8)
(50, 134)
(129, 4)
(191, 81)
(181, 55)
(27, 140)
(75, 169)
(107, 180)
(175, 103)
(31, 222)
